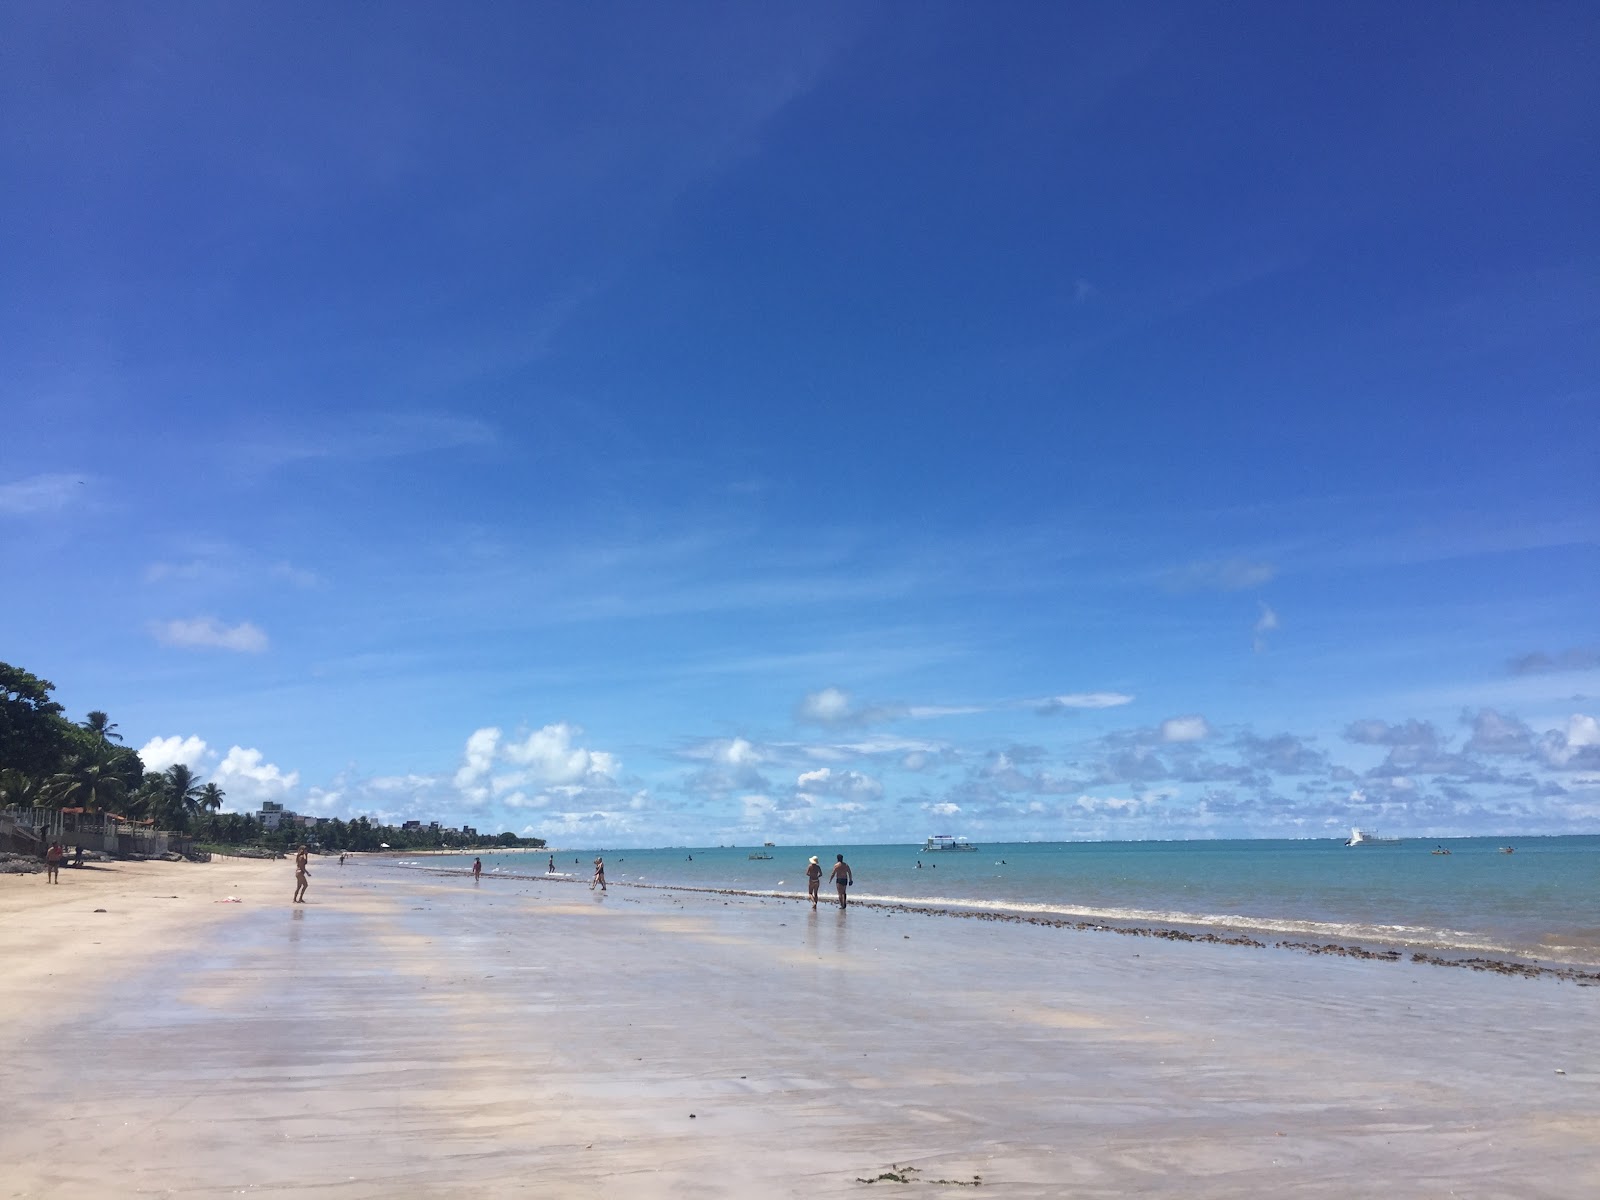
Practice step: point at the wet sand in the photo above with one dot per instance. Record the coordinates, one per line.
(406, 1034)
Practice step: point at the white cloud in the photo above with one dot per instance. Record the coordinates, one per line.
(848, 785)
(943, 809)
(736, 753)
(830, 706)
(1220, 575)
(159, 753)
(1266, 623)
(1185, 729)
(39, 494)
(478, 757)
(1088, 700)
(210, 633)
(548, 756)
(248, 781)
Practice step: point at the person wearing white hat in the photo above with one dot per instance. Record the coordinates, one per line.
(813, 879)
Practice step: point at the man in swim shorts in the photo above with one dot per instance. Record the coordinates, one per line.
(813, 879)
(841, 877)
(52, 862)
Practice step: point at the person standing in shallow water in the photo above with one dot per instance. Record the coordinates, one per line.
(599, 874)
(477, 869)
(841, 877)
(813, 879)
(302, 873)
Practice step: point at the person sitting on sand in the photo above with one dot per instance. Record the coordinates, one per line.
(52, 862)
(302, 873)
(841, 877)
(477, 869)
(599, 874)
(813, 879)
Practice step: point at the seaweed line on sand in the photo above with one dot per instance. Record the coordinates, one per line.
(1496, 965)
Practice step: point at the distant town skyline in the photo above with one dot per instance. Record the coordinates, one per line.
(633, 425)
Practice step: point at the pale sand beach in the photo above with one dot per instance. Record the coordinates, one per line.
(406, 1034)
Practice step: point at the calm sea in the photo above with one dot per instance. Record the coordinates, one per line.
(1542, 902)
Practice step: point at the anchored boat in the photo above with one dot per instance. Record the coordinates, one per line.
(1368, 837)
(943, 843)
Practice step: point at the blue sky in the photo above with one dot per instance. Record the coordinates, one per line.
(638, 424)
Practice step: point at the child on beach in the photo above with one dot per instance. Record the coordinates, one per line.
(302, 873)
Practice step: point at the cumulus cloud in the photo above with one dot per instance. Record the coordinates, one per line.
(942, 809)
(477, 760)
(1185, 729)
(830, 706)
(1495, 733)
(847, 785)
(1577, 747)
(1266, 623)
(1220, 575)
(159, 753)
(210, 633)
(548, 756)
(248, 780)
(1373, 732)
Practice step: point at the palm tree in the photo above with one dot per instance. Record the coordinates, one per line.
(98, 722)
(182, 795)
(19, 789)
(85, 782)
(211, 798)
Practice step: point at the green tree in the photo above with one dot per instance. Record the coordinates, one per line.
(86, 782)
(31, 735)
(211, 798)
(19, 789)
(181, 796)
(102, 726)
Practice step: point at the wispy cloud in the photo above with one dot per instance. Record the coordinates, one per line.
(208, 633)
(1576, 658)
(1052, 705)
(45, 493)
(1266, 623)
(1220, 575)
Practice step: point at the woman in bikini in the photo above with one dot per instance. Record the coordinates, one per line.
(302, 873)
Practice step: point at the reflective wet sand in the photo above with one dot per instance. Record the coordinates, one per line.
(407, 1035)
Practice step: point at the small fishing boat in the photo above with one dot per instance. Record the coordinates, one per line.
(760, 856)
(1508, 849)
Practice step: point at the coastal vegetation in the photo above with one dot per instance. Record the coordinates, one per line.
(49, 761)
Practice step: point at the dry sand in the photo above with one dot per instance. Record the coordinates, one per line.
(406, 1034)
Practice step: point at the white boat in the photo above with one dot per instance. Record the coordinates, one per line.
(943, 843)
(1367, 837)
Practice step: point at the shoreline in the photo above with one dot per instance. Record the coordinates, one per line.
(417, 1034)
(1580, 974)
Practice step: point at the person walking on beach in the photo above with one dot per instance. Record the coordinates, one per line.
(841, 877)
(477, 869)
(599, 874)
(813, 879)
(52, 862)
(551, 869)
(302, 873)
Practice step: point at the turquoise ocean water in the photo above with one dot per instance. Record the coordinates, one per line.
(1542, 902)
